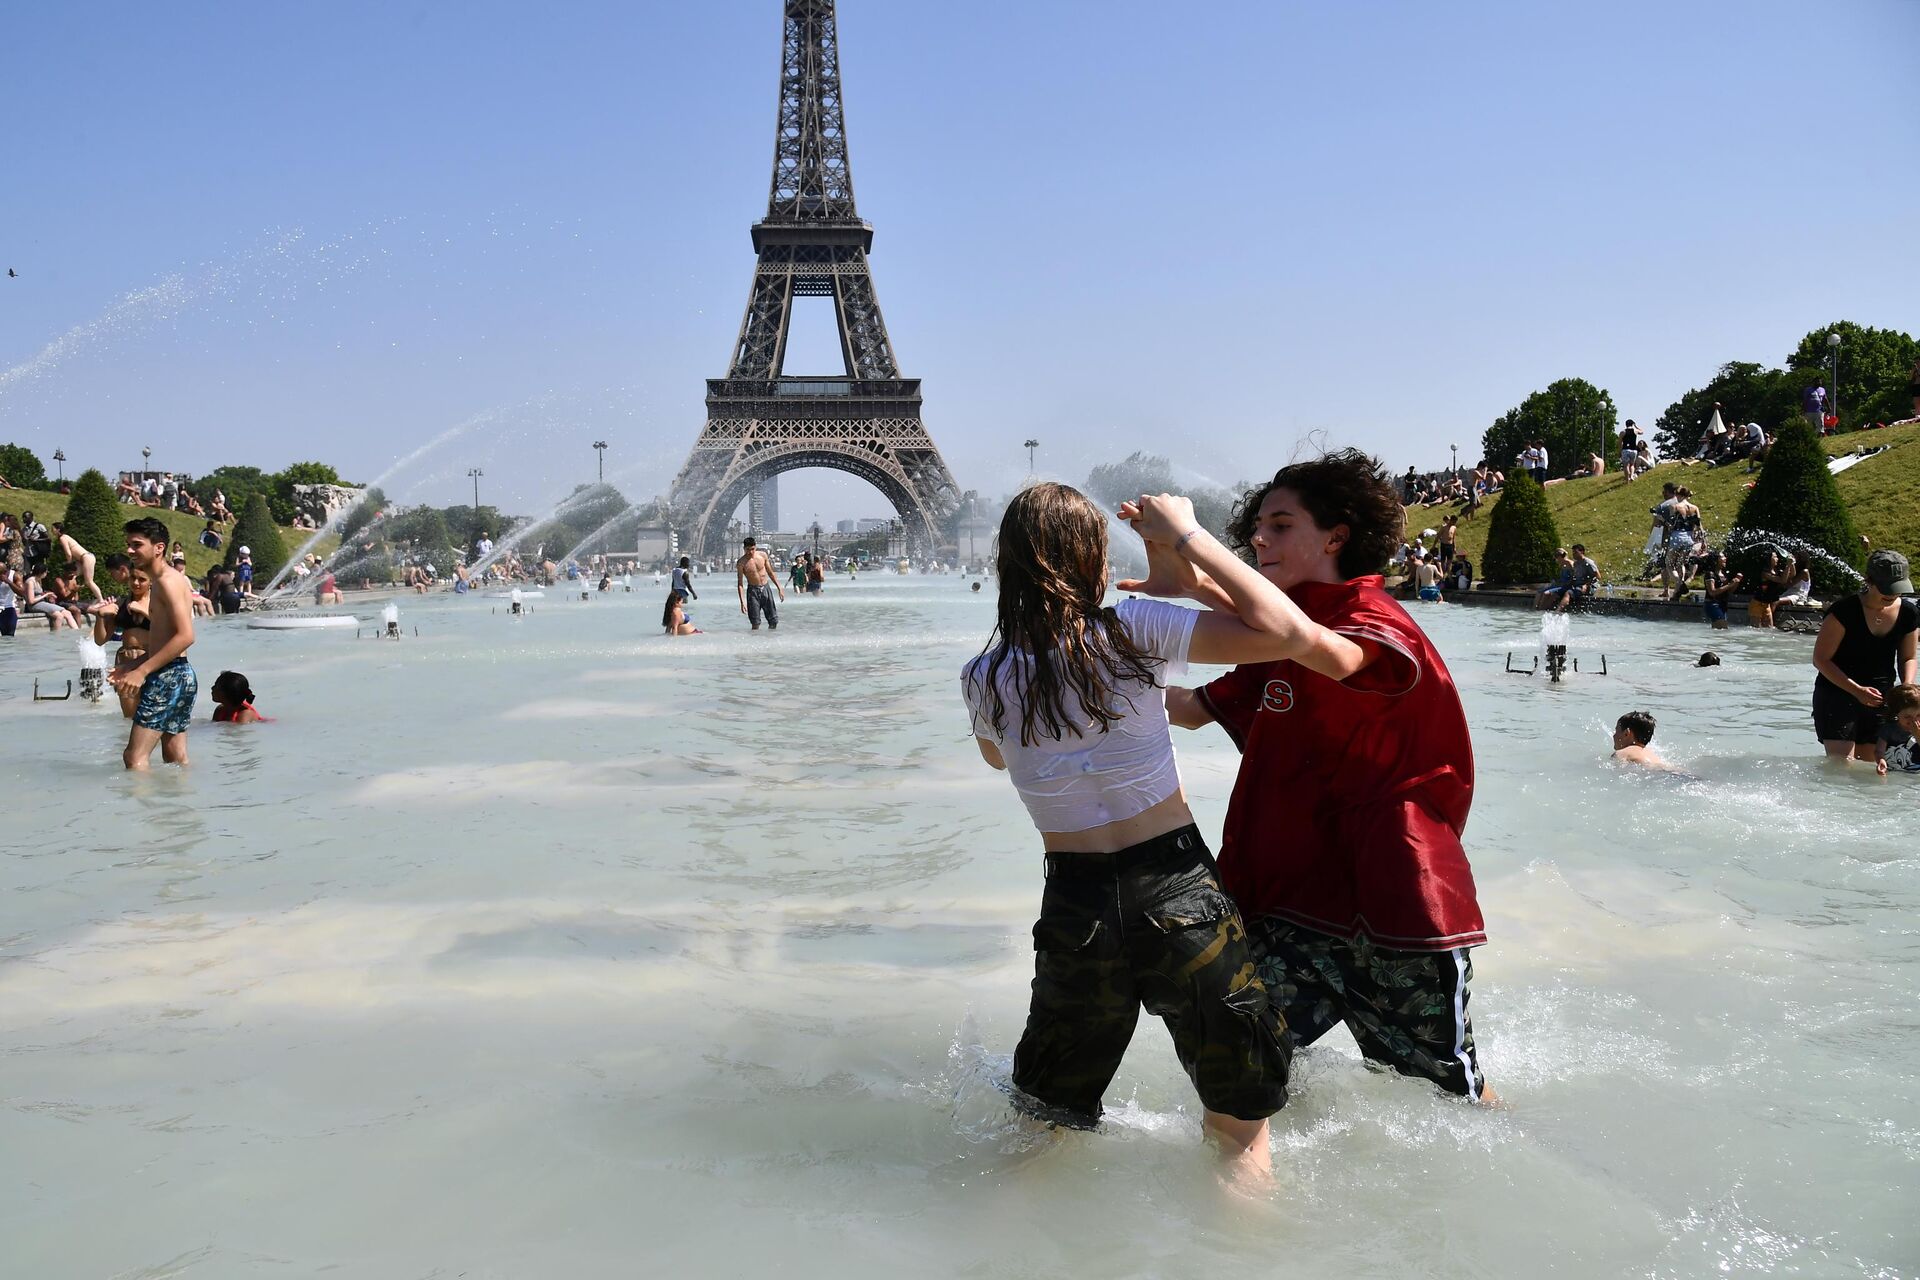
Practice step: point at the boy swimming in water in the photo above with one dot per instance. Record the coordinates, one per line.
(164, 678)
(1342, 840)
(1631, 734)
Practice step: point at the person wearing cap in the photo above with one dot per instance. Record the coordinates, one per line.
(1867, 645)
(243, 571)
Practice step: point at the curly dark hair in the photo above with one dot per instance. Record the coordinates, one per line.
(1051, 560)
(1348, 488)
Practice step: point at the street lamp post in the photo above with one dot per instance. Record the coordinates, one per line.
(1456, 458)
(146, 465)
(476, 473)
(1833, 345)
(1030, 446)
(601, 447)
(60, 464)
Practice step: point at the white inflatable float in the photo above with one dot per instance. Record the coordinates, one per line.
(295, 622)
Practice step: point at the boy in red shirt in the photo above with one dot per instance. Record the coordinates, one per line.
(1342, 841)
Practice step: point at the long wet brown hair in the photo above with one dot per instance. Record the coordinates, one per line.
(1051, 559)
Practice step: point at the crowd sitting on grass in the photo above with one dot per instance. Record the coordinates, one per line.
(165, 492)
(1721, 445)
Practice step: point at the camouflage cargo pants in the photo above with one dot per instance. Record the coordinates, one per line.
(1147, 927)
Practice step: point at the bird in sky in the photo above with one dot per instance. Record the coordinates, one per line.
(12, 274)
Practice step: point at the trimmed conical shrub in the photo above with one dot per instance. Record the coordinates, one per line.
(256, 531)
(1796, 501)
(1521, 538)
(97, 521)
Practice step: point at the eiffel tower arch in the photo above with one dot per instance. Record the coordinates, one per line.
(762, 422)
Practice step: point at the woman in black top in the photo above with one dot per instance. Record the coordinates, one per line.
(1867, 645)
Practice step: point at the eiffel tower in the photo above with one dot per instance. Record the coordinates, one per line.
(812, 243)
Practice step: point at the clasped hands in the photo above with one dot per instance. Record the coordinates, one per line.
(1162, 520)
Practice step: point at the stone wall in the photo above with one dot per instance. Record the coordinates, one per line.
(1786, 617)
(321, 502)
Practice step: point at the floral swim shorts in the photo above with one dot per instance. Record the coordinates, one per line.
(1406, 1009)
(166, 699)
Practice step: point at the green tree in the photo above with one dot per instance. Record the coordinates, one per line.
(1572, 415)
(469, 524)
(1521, 538)
(1745, 392)
(1875, 366)
(1112, 483)
(1797, 498)
(256, 531)
(282, 482)
(22, 468)
(362, 513)
(422, 531)
(97, 521)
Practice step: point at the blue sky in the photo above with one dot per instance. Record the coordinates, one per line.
(260, 233)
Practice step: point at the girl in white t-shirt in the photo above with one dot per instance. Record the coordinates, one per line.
(1069, 697)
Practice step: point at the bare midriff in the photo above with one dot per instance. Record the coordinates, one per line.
(1170, 814)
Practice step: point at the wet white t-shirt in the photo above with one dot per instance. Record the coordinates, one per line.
(1083, 781)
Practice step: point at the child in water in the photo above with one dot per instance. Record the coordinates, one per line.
(1342, 843)
(1632, 736)
(233, 700)
(1900, 737)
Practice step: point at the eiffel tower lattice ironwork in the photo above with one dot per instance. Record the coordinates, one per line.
(812, 243)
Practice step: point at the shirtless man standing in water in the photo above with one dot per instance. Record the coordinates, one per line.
(753, 579)
(163, 679)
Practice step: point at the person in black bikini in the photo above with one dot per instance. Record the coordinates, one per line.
(1867, 645)
(124, 619)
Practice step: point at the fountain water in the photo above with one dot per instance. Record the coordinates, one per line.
(93, 670)
(1741, 540)
(526, 527)
(334, 521)
(1555, 630)
(166, 299)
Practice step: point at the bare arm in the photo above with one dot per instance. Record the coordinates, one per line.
(740, 583)
(1171, 577)
(990, 752)
(1909, 657)
(1824, 647)
(1186, 710)
(1271, 626)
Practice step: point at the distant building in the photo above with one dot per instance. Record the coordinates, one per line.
(656, 544)
(845, 526)
(764, 506)
(870, 524)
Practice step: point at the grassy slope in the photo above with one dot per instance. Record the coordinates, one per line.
(48, 507)
(1610, 515)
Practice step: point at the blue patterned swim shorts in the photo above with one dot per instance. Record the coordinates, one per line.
(166, 699)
